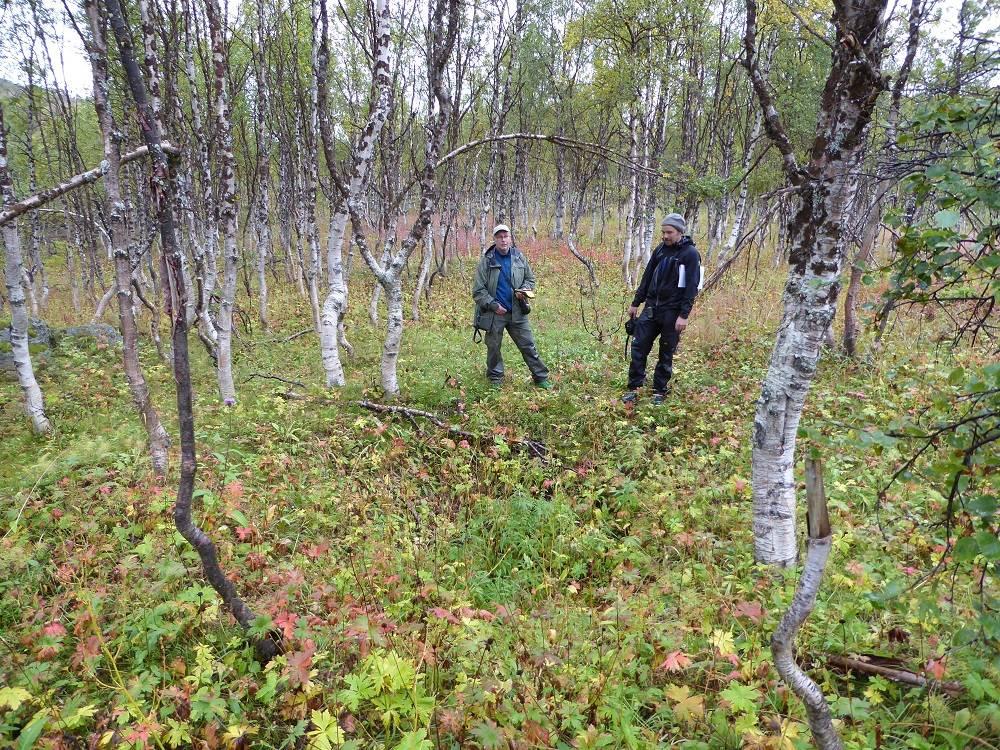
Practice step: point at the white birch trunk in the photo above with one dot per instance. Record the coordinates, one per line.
(425, 267)
(393, 334)
(331, 319)
(13, 271)
(227, 205)
(824, 191)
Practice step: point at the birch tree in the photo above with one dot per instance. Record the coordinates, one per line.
(227, 203)
(121, 245)
(823, 189)
(162, 190)
(442, 32)
(13, 275)
(351, 188)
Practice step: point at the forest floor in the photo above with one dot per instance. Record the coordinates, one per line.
(441, 591)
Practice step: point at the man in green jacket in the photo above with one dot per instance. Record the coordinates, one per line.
(501, 290)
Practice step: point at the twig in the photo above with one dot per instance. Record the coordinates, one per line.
(297, 335)
(253, 375)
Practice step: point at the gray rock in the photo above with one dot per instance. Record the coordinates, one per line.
(100, 331)
(39, 335)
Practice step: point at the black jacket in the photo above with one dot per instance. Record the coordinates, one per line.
(673, 284)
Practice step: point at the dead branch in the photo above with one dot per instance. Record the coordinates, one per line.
(533, 448)
(898, 675)
(265, 376)
(84, 178)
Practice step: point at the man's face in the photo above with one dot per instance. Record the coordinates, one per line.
(502, 241)
(671, 235)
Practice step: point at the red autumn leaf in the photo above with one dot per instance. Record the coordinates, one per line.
(316, 551)
(685, 539)
(141, 732)
(753, 610)
(675, 661)
(714, 440)
(105, 489)
(536, 734)
(444, 614)
(287, 622)
(54, 630)
(935, 668)
(347, 722)
(299, 664)
(88, 649)
(245, 532)
(233, 490)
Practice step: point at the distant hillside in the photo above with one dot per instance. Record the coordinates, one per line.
(9, 88)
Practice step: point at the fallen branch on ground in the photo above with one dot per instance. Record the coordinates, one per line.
(280, 379)
(898, 675)
(533, 448)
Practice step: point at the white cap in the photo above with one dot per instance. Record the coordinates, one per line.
(501, 228)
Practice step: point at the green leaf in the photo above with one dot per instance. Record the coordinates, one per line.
(30, 733)
(989, 545)
(966, 549)
(415, 741)
(947, 219)
(488, 735)
(742, 698)
(13, 697)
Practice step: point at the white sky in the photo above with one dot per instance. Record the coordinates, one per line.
(71, 68)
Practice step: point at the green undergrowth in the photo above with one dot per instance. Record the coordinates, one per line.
(440, 589)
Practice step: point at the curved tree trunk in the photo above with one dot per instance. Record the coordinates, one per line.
(150, 127)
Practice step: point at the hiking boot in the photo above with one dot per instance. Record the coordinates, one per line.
(659, 398)
(545, 385)
(496, 385)
(630, 397)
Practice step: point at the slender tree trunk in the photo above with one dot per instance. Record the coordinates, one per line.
(824, 190)
(783, 640)
(227, 204)
(13, 271)
(150, 127)
(121, 247)
(425, 267)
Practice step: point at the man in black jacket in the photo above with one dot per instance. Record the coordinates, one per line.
(668, 287)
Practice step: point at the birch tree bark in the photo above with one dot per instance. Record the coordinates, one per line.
(363, 153)
(783, 640)
(262, 214)
(824, 189)
(121, 247)
(442, 32)
(162, 198)
(227, 203)
(13, 273)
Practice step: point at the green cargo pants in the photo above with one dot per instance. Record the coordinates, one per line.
(524, 339)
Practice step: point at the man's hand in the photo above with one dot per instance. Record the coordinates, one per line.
(501, 310)
(520, 295)
(681, 324)
(633, 311)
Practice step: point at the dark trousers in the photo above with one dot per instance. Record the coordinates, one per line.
(647, 329)
(520, 333)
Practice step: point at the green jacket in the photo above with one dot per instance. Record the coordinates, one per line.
(484, 285)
